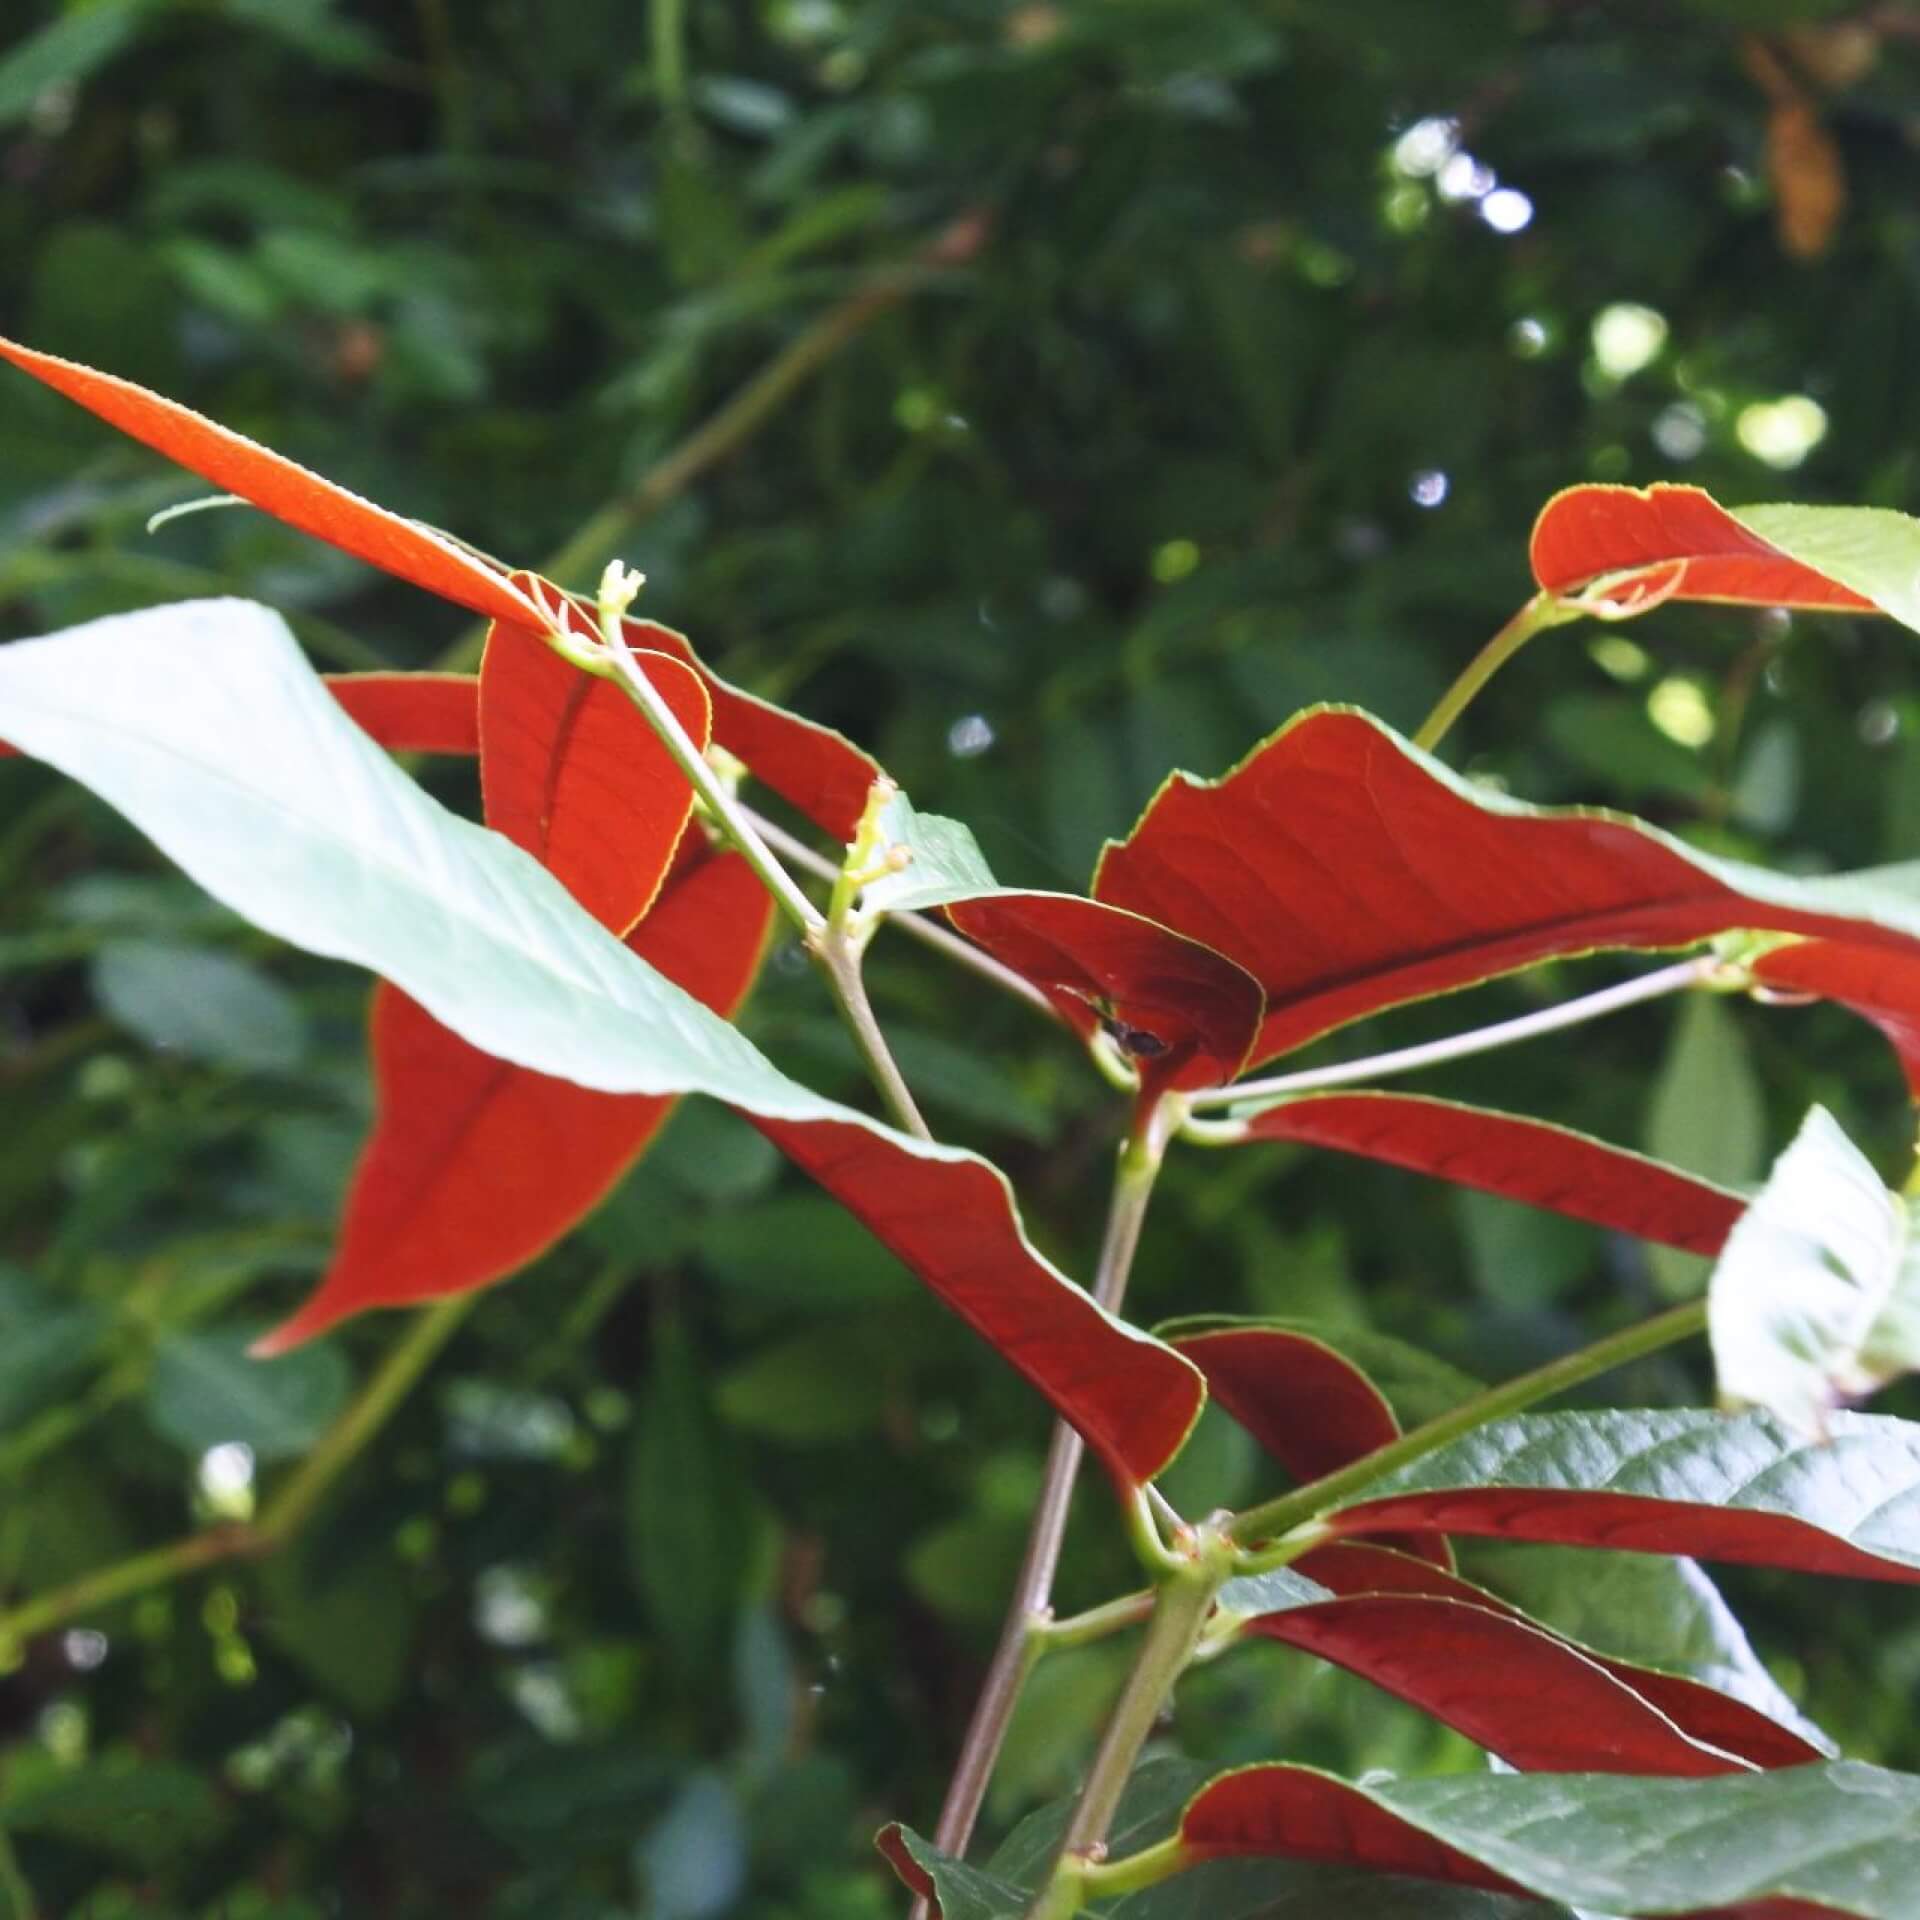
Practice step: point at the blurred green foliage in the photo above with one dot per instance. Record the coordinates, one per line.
(1261, 330)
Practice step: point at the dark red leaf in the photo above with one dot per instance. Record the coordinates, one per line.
(1515, 1689)
(1590, 532)
(818, 772)
(1700, 1711)
(1182, 1013)
(475, 1166)
(1348, 873)
(1521, 1159)
(1297, 1814)
(281, 487)
(1308, 1406)
(952, 1220)
(572, 772)
(413, 712)
(1881, 987)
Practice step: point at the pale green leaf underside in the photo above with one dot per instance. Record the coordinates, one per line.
(1841, 1833)
(1873, 550)
(1805, 1305)
(1861, 1484)
(946, 862)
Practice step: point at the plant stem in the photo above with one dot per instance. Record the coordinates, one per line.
(669, 21)
(1459, 1046)
(737, 419)
(285, 1513)
(14, 1889)
(930, 932)
(1185, 1598)
(707, 784)
(1273, 1519)
(1024, 1633)
(293, 1503)
(1542, 611)
(838, 958)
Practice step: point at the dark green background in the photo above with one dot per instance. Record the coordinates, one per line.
(676, 1576)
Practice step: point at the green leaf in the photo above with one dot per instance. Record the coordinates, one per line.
(1296, 1890)
(143, 1812)
(943, 863)
(689, 1508)
(1149, 1810)
(205, 1391)
(1873, 550)
(205, 1005)
(1843, 1834)
(1815, 1298)
(1741, 1487)
(347, 1623)
(1707, 1115)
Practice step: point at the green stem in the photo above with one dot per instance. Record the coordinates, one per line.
(729, 426)
(1097, 1623)
(1184, 1600)
(1274, 1519)
(669, 21)
(1460, 1046)
(1544, 610)
(1027, 1630)
(285, 1513)
(108, 1585)
(632, 678)
(838, 959)
(14, 1889)
(294, 1502)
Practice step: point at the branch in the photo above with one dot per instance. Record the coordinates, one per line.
(741, 415)
(285, 1513)
(1460, 1046)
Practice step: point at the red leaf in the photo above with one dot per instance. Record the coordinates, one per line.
(1589, 532)
(475, 1166)
(1881, 987)
(1513, 1688)
(1700, 1711)
(1627, 1523)
(818, 772)
(281, 487)
(1348, 873)
(413, 712)
(572, 772)
(1184, 1014)
(1297, 1814)
(953, 1222)
(1522, 1159)
(404, 712)
(1309, 1407)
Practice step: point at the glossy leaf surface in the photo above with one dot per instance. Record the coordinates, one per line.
(475, 1166)
(1349, 872)
(1840, 1835)
(1742, 1488)
(204, 725)
(1704, 551)
(571, 771)
(1518, 1158)
(281, 487)
(1700, 1713)
(1816, 1297)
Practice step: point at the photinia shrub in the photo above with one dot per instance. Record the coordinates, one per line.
(549, 981)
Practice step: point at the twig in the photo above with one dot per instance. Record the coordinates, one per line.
(1459, 1046)
(738, 417)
